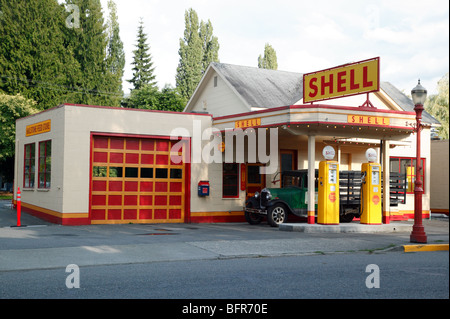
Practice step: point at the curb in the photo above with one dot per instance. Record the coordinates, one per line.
(345, 228)
(434, 247)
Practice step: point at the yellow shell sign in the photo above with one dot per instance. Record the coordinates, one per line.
(348, 79)
(38, 128)
(247, 123)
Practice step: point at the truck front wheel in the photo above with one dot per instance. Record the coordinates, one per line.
(252, 218)
(276, 215)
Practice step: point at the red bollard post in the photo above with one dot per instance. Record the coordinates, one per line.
(18, 207)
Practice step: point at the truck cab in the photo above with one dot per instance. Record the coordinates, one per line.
(277, 203)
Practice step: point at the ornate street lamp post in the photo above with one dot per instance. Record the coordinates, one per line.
(419, 95)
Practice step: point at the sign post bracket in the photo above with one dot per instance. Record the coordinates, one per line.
(367, 103)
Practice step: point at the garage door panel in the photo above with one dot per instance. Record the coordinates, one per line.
(98, 214)
(115, 186)
(132, 158)
(116, 143)
(176, 187)
(146, 186)
(147, 159)
(162, 145)
(130, 214)
(162, 159)
(100, 157)
(131, 186)
(130, 200)
(175, 200)
(145, 213)
(174, 213)
(114, 214)
(99, 186)
(146, 200)
(136, 180)
(115, 200)
(160, 213)
(132, 144)
(101, 142)
(116, 158)
(160, 186)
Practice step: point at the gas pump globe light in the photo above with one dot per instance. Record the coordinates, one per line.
(371, 155)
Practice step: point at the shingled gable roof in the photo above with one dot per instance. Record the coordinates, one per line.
(262, 88)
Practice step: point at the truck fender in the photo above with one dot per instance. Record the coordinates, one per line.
(279, 201)
(253, 201)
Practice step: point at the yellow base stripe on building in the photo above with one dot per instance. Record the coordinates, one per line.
(54, 213)
(135, 221)
(431, 247)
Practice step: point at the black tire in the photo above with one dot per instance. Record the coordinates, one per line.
(276, 215)
(251, 218)
(347, 218)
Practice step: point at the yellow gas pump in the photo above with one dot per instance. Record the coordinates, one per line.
(328, 201)
(371, 190)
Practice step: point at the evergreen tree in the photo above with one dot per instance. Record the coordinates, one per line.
(34, 60)
(269, 60)
(88, 41)
(142, 61)
(115, 59)
(198, 48)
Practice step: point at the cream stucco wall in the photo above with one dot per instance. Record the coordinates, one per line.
(71, 138)
(216, 97)
(51, 198)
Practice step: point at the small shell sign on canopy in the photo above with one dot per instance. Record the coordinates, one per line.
(349, 79)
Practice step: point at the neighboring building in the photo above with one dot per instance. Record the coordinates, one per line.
(78, 164)
(439, 176)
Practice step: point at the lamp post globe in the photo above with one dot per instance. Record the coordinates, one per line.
(419, 94)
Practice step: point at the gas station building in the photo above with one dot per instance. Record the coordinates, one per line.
(83, 164)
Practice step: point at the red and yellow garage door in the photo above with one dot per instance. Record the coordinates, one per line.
(135, 180)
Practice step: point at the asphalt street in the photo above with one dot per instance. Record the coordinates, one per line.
(44, 245)
(45, 248)
(329, 276)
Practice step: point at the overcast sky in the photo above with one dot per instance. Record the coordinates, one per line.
(411, 37)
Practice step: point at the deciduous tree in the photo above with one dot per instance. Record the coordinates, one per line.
(269, 60)
(438, 106)
(12, 107)
(115, 55)
(198, 48)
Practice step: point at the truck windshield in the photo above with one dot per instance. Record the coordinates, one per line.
(297, 181)
(291, 181)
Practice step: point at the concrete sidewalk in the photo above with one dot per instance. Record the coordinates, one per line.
(347, 228)
(42, 245)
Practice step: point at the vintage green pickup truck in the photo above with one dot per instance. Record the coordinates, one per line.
(292, 198)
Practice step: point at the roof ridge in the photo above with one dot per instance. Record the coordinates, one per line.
(253, 67)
